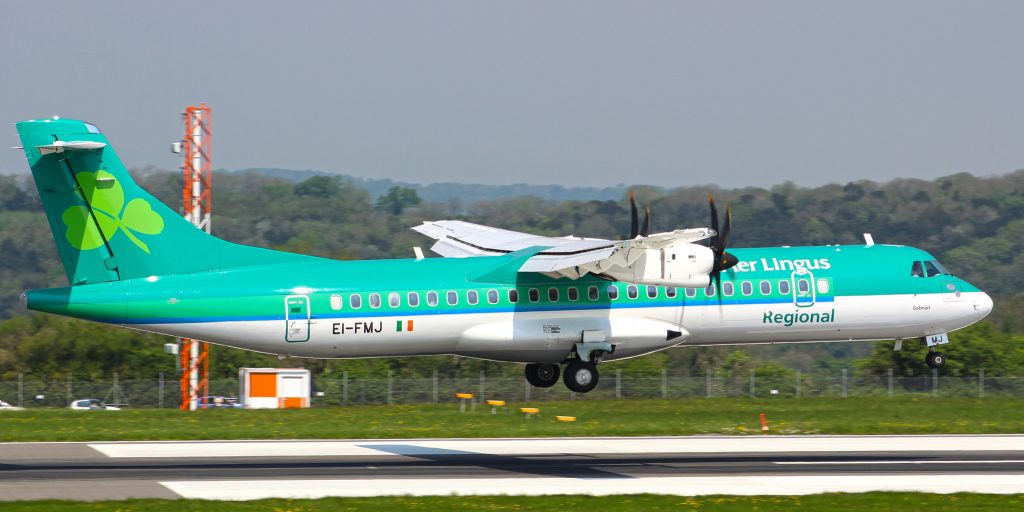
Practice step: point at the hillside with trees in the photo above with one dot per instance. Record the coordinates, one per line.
(974, 225)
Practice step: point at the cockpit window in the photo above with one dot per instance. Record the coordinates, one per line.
(930, 268)
(917, 270)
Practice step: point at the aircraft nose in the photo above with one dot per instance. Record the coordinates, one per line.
(983, 305)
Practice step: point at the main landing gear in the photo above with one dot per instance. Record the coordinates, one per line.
(579, 376)
(935, 359)
(542, 375)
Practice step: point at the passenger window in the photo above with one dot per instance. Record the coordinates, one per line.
(803, 286)
(534, 295)
(513, 296)
(747, 288)
(394, 300)
(784, 287)
(472, 297)
(632, 292)
(553, 294)
(431, 298)
(670, 292)
(930, 269)
(916, 270)
(492, 296)
(613, 292)
(413, 299)
(574, 294)
(709, 290)
(335, 302)
(691, 292)
(727, 289)
(453, 298)
(823, 285)
(652, 292)
(766, 288)
(374, 300)
(355, 301)
(593, 293)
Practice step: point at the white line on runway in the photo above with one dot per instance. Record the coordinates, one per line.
(680, 486)
(557, 446)
(829, 463)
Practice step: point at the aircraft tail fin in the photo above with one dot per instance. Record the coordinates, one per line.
(106, 227)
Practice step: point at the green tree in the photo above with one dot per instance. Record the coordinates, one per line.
(397, 200)
(969, 350)
(318, 186)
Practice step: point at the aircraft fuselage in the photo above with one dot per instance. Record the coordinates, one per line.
(426, 307)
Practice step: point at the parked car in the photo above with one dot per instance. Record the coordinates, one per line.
(219, 402)
(4, 406)
(92, 404)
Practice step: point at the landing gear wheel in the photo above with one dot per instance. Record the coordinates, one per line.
(542, 375)
(935, 359)
(580, 376)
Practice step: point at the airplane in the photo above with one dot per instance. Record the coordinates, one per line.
(560, 305)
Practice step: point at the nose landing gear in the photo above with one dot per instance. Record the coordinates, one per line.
(935, 359)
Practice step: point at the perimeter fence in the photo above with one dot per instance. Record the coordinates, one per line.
(341, 390)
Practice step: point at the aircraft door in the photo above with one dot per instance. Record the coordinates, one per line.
(802, 281)
(296, 318)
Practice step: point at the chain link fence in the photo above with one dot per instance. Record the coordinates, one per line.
(333, 390)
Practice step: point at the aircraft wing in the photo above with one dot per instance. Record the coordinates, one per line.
(569, 256)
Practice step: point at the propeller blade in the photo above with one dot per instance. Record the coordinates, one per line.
(718, 285)
(634, 221)
(714, 215)
(647, 222)
(725, 229)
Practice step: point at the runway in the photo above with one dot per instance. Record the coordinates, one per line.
(698, 465)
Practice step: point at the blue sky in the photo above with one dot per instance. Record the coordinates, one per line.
(574, 93)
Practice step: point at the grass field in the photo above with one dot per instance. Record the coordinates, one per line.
(878, 415)
(868, 502)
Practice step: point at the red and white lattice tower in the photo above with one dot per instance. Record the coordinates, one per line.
(195, 354)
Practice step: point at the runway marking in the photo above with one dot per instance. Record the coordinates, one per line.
(679, 486)
(560, 446)
(869, 462)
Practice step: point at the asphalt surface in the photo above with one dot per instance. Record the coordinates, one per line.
(79, 472)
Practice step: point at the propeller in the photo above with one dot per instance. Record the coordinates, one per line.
(718, 243)
(634, 219)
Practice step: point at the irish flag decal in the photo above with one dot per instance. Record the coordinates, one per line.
(403, 325)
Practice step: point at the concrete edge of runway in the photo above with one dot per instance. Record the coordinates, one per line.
(757, 435)
(675, 465)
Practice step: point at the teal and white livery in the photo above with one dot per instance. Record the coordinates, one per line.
(496, 294)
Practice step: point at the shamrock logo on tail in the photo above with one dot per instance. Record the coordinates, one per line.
(105, 195)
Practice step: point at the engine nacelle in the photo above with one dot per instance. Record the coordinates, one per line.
(683, 265)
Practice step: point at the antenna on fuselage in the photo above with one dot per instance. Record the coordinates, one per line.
(868, 240)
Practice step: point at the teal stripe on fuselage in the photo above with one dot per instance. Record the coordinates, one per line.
(257, 292)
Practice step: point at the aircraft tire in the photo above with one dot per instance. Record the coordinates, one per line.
(935, 359)
(542, 375)
(580, 376)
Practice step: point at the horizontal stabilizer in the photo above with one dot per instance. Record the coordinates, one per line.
(75, 145)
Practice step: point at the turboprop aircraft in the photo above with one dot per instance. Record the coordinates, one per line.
(560, 305)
